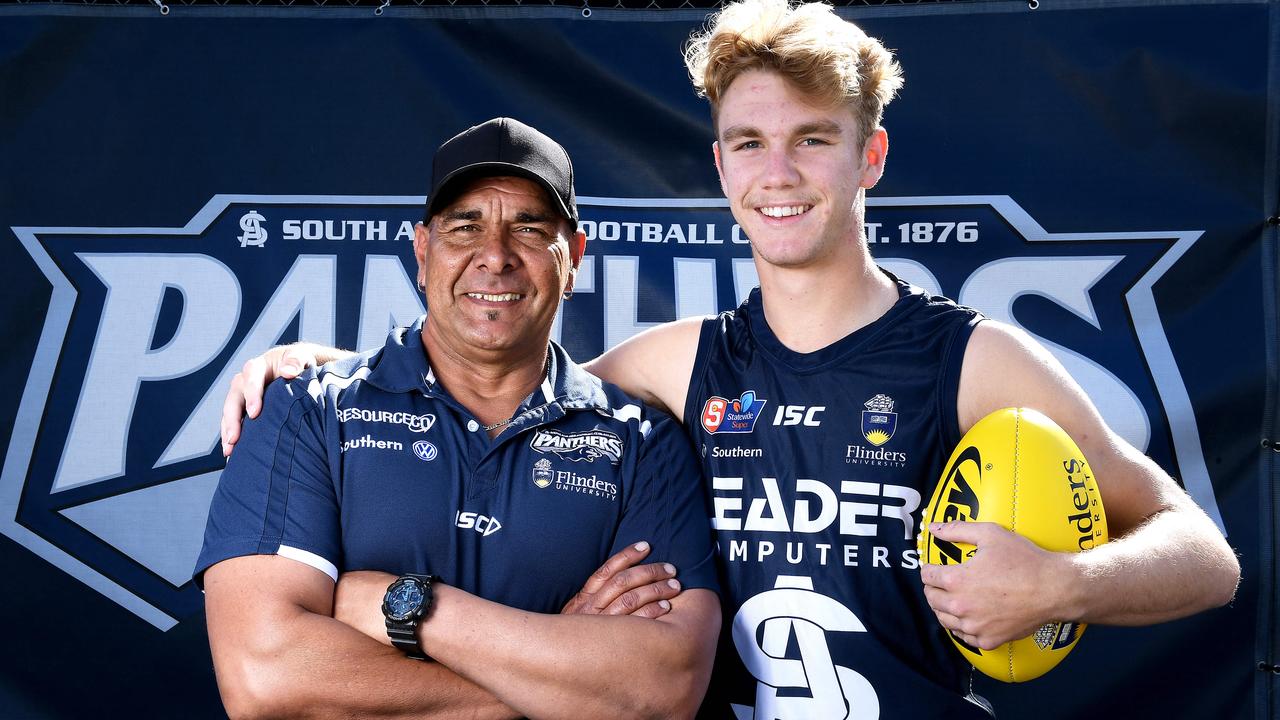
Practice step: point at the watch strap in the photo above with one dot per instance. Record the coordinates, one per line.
(405, 637)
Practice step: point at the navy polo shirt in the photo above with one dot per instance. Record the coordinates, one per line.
(369, 464)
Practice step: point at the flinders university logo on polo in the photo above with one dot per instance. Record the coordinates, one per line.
(545, 476)
(114, 453)
(721, 415)
(542, 474)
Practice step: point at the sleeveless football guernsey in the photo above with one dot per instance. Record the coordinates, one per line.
(818, 466)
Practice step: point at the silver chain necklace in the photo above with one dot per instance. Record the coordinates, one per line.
(498, 424)
(546, 371)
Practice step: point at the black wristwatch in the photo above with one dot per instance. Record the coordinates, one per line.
(407, 602)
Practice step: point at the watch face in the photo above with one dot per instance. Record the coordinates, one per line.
(404, 599)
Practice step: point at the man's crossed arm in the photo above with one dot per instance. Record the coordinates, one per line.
(287, 643)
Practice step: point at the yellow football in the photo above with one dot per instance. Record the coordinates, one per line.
(1018, 469)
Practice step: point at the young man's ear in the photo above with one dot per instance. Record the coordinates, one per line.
(715, 151)
(873, 155)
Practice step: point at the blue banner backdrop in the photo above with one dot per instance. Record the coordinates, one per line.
(179, 193)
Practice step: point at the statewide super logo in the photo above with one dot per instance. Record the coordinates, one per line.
(114, 455)
(878, 420)
(720, 415)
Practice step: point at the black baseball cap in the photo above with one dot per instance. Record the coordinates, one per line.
(502, 146)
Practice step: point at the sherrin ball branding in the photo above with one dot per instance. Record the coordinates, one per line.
(1018, 469)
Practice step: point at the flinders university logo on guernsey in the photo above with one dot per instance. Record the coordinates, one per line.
(114, 455)
(878, 420)
(879, 423)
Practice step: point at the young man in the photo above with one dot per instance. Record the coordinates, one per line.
(824, 613)
(474, 459)
(827, 610)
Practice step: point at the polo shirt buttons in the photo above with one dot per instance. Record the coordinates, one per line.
(472, 425)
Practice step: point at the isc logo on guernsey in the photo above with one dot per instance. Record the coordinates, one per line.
(789, 415)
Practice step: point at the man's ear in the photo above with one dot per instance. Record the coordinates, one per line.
(715, 151)
(873, 155)
(420, 238)
(577, 248)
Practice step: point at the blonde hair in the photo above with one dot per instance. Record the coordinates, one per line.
(830, 60)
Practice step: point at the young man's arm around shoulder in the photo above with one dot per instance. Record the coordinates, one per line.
(655, 365)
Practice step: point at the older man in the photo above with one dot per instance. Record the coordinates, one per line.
(472, 458)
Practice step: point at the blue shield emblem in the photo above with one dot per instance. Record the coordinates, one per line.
(878, 427)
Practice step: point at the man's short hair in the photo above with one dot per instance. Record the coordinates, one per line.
(829, 59)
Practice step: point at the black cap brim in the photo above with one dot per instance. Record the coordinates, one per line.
(452, 185)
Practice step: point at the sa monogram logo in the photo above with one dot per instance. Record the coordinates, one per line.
(254, 234)
(793, 612)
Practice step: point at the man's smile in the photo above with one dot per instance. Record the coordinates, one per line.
(782, 211)
(495, 297)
